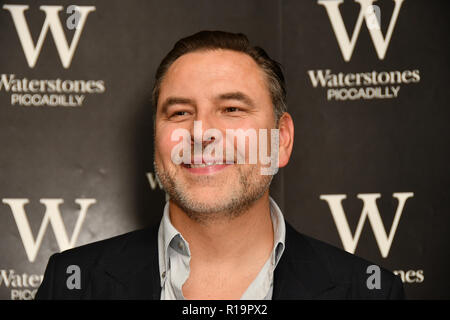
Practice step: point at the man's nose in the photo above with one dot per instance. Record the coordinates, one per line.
(204, 131)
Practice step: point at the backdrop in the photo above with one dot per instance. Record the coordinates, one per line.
(367, 88)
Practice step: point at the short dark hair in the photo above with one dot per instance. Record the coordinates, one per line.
(211, 40)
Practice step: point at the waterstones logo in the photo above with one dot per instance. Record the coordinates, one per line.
(366, 85)
(368, 13)
(362, 85)
(52, 217)
(53, 24)
(369, 212)
(49, 92)
(23, 286)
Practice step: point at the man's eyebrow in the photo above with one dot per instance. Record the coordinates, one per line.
(175, 100)
(237, 95)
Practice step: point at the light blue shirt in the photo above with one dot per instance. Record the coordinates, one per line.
(175, 256)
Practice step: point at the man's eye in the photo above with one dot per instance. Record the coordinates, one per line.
(179, 114)
(232, 109)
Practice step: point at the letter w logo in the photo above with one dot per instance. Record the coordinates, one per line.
(370, 210)
(52, 216)
(346, 45)
(51, 22)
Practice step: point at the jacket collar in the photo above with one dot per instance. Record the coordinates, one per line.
(137, 271)
(300, 274)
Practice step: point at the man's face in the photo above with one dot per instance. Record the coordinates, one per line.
(224, 90)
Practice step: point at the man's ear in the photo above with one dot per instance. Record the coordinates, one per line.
(286, 134)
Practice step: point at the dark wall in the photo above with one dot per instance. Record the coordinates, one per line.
(369, 152)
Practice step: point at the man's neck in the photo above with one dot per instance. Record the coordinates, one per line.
(234, 241)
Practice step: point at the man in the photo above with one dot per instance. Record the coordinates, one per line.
(221, 235)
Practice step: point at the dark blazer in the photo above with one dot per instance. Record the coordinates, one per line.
(127, 267)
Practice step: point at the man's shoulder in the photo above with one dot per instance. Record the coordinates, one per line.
(102, 267)
(111, 248)
(363, 278)
(341, 263)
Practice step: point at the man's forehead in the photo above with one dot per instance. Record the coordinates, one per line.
(217, 70)
(215, 60)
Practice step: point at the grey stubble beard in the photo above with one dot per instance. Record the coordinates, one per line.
(250, 190)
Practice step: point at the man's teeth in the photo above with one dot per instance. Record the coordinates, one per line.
(201, 165)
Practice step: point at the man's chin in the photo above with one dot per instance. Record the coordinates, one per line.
(208, 197)
(210, 203)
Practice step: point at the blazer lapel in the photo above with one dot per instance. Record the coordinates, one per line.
(300, 273)
(133, 271)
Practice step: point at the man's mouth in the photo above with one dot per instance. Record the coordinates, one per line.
(206, 167)
(202, 165)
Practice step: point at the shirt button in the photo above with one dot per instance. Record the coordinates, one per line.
(181, 245)
(164, 274)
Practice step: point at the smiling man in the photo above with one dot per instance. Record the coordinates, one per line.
(221, 235)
